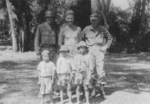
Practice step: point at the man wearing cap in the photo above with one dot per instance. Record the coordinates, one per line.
(46, 36)
(94, 36)
(69, 34)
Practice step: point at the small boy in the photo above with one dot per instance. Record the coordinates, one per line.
(64, 69)
(46, 70)
(83, 67)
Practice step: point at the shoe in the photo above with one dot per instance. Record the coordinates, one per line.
(103, 96)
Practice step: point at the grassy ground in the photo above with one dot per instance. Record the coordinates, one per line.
(128, 79)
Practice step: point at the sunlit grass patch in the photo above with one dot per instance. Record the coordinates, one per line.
(8, 65)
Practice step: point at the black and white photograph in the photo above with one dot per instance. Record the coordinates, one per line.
(74, 51)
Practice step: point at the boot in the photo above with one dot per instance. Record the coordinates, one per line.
(102, 93)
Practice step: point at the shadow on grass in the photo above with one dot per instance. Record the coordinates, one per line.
(124, 78)
(5, 43)
(10, 65)
(119, 77)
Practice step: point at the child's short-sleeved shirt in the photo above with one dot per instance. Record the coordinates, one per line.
(46, 69)
(83, 62)
(64, 65)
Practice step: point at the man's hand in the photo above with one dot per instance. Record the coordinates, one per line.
(103, 49)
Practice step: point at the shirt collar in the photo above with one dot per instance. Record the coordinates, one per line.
(92, 29)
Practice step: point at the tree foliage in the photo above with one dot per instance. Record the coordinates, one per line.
(130, 27)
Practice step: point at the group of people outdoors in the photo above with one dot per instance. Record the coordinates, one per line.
(80, 59)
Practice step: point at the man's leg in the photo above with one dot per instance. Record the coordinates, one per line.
(100, 72)
(102, 92)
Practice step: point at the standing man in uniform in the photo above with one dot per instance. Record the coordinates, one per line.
(46, 36)
(94, 36)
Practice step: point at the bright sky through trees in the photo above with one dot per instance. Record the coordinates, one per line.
(123, 4)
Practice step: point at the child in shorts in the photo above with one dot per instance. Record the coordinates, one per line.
(64, 69)
(46, 70)
(83, 68)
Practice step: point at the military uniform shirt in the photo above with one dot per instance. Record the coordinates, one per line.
(46, 36)
(92, 37)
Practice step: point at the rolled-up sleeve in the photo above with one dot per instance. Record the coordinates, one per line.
(61, 37)
(109, 36)
(82, 35)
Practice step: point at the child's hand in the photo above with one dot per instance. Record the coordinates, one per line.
(52, 81)
(59, 75)
(92, 72)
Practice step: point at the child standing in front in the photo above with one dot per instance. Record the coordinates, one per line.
(46, 70)
(64, 69)
(83, 67)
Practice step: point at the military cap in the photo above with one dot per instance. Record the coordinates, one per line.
(82, 44)
(49, 13)
(68, 12)
(63, 49)
(94, 16)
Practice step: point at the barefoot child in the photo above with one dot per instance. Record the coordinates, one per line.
(46, 70)
(64, 68)
(83, 67)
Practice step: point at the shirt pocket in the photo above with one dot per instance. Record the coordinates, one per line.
(45, 36)
(99, 38)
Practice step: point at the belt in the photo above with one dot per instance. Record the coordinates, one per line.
(98, 44)
(47, 46)
(47, 77)
(65, 74)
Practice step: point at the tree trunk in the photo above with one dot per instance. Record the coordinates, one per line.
(95, 6)
(22, 39)
(14, 39)
(142, 16)
(99, 8)
(104, 7)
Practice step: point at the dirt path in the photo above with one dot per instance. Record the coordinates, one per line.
(124, 74)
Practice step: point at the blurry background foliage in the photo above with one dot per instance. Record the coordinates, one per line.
(130, 28)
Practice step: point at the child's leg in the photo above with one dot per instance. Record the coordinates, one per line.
(78, 94)
(51, 98)
(86, 94)
(69, 93)
(61, 96)
(93, 93)
(42, 99)
(39, 84)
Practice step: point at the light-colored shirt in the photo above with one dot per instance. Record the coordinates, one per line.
(64, 65)
(83, 62)
(92, 37)
(46, 69)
